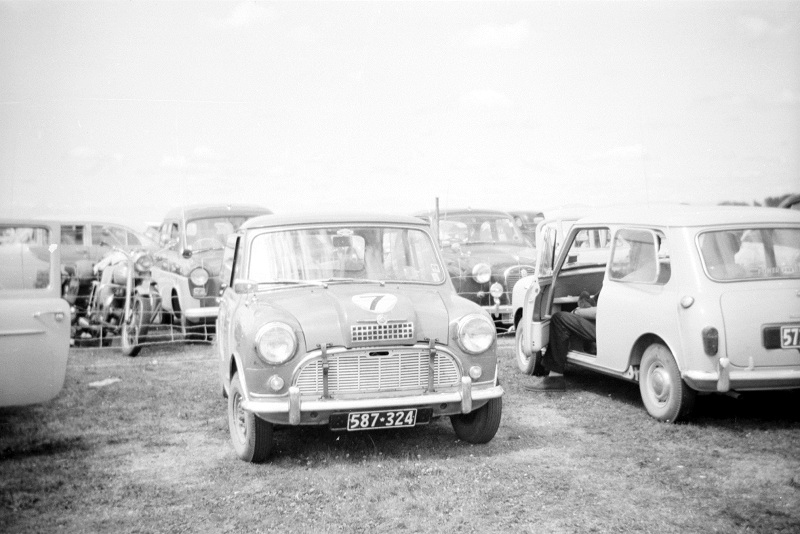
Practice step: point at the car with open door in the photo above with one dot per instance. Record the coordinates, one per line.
(34, 319)
(351, 322)
(690, 299)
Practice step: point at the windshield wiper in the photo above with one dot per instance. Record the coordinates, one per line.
(356, 281)
(319, 283)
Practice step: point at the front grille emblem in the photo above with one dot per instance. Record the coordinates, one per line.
(382, 320)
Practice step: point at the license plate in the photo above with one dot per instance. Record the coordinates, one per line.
(382, 419)
(790, 337)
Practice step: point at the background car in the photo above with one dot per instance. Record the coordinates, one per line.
(34, 319)
(349, 321)
(526, 222)
(694, 299)
(186, 268)
(486, 254)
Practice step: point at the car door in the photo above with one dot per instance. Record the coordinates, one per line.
(34, 319)
(534, 323)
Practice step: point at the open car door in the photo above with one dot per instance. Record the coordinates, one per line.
(534, 327)
(34, 319)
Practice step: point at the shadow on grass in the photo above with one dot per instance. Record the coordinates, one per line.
(44, 447)
(781, 408)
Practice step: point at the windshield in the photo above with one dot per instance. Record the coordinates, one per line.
(468, 228)
(211, 233)
(764, 253)
(357, 253)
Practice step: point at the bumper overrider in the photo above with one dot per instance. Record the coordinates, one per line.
(296, 408)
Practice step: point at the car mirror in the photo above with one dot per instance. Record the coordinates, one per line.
(242, 287)
(186, 253)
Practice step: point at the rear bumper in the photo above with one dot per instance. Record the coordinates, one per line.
(294, 410)
(727, 379)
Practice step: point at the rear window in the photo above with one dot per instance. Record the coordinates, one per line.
(24, 258)
(753, 253)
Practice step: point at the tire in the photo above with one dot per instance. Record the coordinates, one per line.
(251, 436)
(665, 395)
(133, 331)
(479, 426)
(526, 364)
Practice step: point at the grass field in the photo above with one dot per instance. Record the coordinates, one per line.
(151, 453)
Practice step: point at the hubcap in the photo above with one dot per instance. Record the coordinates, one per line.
(660, 384)
(239, 418)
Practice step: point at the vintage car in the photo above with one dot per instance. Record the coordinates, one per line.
(349, 322)
(526, 221)
(694, 299)
(34, 319)
(186, 270)
(485, 254)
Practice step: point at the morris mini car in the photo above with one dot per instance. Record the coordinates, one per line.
(34, 319)
(485, 254)
(349, 321)
(186, 270)
(691, 300)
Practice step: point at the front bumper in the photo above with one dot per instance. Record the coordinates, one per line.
(727, 379)
(293, 410)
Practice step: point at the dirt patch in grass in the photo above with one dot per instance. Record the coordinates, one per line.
(151, 453)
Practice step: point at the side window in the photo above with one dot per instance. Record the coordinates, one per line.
(546, 248)
(26, 258)
(72, 234)
(108, 236)
(635, 256)
(174, 236)
(591, 246)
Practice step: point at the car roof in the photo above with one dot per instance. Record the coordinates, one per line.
(196, 211)
(296, 219)
(689, 215)
(443, 214)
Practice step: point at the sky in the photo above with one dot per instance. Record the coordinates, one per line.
(120, 110)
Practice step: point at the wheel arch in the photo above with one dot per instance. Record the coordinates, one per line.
(644, 341)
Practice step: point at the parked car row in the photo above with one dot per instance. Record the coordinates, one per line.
(362, 322)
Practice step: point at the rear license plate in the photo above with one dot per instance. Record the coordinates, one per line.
(790, 337)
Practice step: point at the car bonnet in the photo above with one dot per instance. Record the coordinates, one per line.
(363, 314)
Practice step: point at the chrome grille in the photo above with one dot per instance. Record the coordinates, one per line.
(382, 332)
(378, 370)
(513, 276)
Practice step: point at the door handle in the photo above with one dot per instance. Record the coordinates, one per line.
(57, 315)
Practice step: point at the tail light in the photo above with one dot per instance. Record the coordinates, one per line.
(710, 340)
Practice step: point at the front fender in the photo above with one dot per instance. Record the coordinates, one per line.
(518, 293)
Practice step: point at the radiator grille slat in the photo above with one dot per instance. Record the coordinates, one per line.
(358, 371)
(381, 332)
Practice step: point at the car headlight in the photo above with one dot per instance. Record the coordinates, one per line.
(199, 276)
(476, 333)
(496, 290)
(482, 273)
(276, 342)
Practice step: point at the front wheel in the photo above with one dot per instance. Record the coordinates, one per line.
(526, 364)
(479, 426)
(251, 435)
(665, 395)
(134, 330)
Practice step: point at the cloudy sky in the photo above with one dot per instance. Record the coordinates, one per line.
(121, 110)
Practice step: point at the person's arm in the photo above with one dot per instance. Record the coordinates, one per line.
(586, 313)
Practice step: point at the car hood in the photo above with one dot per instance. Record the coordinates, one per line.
(327, 315)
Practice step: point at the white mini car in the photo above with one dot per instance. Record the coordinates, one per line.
(694, 299)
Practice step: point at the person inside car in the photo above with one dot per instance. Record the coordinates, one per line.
(579, 323)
